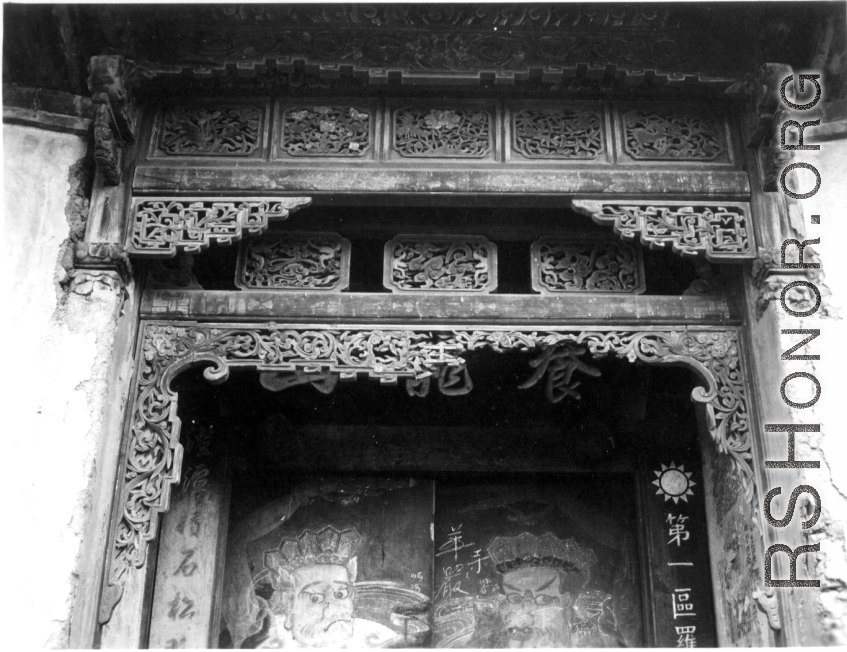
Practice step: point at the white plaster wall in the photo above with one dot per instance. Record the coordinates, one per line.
(831, 370)
(58, 348)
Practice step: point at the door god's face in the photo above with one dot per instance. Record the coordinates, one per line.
(534, 611)
(322, 611)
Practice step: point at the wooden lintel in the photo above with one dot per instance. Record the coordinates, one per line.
(686, 184)
(506, 309)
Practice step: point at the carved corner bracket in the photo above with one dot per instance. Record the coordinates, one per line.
(719, 231)
(100, 266)
(153, 452)
(163, 226)
(114, 115)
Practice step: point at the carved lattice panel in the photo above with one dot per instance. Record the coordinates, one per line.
(573, 133)
(335, 129)
(451, 130)
(672, 134)
(294, 261)
(586, 265)
(164, 226)
(720, 231)
(214, 129)
(440, 263)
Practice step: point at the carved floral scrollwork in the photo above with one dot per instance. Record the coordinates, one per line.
(295, 261)
(558, 133)
(590, 265)
(438, 132)
(326, 131)
(721, 231)
(441, 263)
(163, 226)
(153, 452)
(220, 131)
(671, 135)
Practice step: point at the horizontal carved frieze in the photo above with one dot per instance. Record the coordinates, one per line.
(294, 261)
(720, 231)
(465, 132)
(586, 265)
(163, 226)
(440, 263)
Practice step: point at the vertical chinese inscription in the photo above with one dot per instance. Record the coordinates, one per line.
(210, 131)
(667, 134)
(557, 133)
(442, 132)
(182, 609)
(326, 131)
(595, 265)
(294, 261)
(441, 263)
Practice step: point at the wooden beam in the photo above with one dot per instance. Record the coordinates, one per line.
(506, 309)
(352, 180)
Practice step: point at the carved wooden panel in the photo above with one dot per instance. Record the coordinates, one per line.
(216, 128)
(162, 226)
(586, 265)
(672, 133)
(330, 129)
(720, 231)
(294, 261)
(452, 130)
(557, 131)
(440, 263)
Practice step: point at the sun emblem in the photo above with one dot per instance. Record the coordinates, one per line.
(674, 482)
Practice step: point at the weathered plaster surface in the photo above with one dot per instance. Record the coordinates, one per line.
(819, 615)
(830, 446)
(58, 352)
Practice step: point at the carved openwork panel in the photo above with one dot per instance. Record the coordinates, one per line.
(214, 129)
(721, 231)
(162, 226)
(557, 132)
(443, 131)
(586, 265)
(440, 263)
(294, 261)
(672, 134)
(342, 130)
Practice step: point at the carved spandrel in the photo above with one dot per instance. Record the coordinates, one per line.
(214, 130)
(443, 132)
(329, 130)
(163, 226)
(440, 263)
(586, 265)
(669, 134)
(294, 261)
(557, 133)
(720, 231)
(386, 355)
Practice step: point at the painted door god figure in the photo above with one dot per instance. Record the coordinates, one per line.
(540, 577)
(314, 590)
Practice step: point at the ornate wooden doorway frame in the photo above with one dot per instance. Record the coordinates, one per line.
(152, 453)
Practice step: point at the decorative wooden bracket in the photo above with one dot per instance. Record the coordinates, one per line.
(153, 452)
(114, 115)
(162, 226)
(720, 231)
